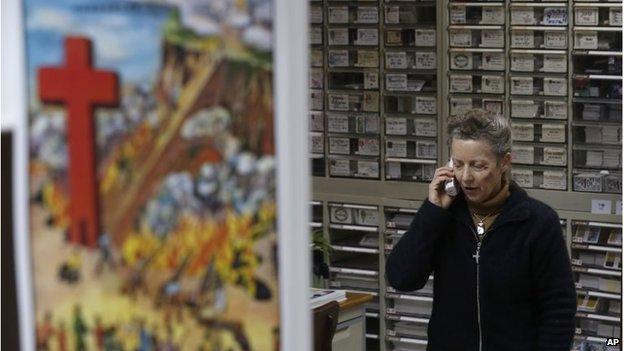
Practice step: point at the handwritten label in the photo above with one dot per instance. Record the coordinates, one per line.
(555, 39)
(338, 14)
(396, 60)
(460, 84)
(493, 61)
(367, 14)
(425, 60)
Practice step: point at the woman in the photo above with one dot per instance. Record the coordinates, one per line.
(503, 279)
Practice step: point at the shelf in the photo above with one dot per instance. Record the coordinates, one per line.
(409, 297)
(593, 293)
(406, 318)
(582, 269)
(592, 247)
(360, 228)
(355, 249)
(596, 316)
(407, 340)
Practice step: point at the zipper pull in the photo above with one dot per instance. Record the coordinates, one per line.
(477, 255)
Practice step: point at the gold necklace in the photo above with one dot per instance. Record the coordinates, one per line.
(480, 220)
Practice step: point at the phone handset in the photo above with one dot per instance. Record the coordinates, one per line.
(450, 186)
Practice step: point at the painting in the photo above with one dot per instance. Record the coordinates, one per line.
(152, 174)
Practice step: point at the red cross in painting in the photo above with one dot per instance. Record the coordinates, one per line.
(80, 88)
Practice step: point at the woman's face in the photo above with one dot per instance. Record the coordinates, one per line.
(477, 169)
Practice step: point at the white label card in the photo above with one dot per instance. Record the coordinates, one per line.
(425, 37)
(553, 133)
(396, 59)
(522, 62)
(555, 87)
(523, 154)
(316, 58)
(493, 61)
(426, 105)
(555, 16)
(460, 84)
(339, 146)
(316, 14)
(368, 147)
(392, 14)
(338, 36)
(523, 131)
(461, 38)
(316, 121)
(316, 35)
(367, 58)
(555, 63)
(492, 15)
(426, 149)
(338, 58)
(492, 38)
(524, 177)
(396, 148)
(371, 102)
(367, 14)
(339, 167)
(371, 80)
(584, 16)
(425, 127)
(586, 40)
(393, 170)
(522, 15)
(555, 110)
(396, 126)
(339, 102)
(425, 60)
(338, 14)
(600, 206)
(367, 36)
(460, 105)
(492, 85)
(555, 39)
(555, 156)
(316, 99)
(461, 60)
(522, 85)
(522, 39)
(337, 123)
(615, 16)
(396, 82)
(458, 14)
(554, 180)
(316, 79)
(368, 169)
(524, 109)
(317, 145)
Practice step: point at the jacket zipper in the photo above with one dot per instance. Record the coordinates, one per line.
(476, 256)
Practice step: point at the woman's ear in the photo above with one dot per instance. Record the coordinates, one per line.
(506, 162)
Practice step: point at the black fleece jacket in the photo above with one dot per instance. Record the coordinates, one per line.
(519, 296)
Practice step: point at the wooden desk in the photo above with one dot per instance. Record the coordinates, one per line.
(351, 330)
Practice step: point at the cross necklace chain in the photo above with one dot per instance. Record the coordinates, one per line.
(481, 220)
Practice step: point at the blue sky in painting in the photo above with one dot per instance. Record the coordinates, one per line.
(125, 38)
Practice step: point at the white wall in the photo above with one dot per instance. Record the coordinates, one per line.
(14, 118)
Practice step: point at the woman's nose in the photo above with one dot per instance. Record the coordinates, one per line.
(467, 175)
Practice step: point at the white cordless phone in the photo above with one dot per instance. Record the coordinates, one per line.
(450, 186)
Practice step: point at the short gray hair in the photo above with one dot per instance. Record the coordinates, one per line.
(480, 124)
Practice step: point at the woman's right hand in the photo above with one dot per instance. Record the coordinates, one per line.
(437, 195)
